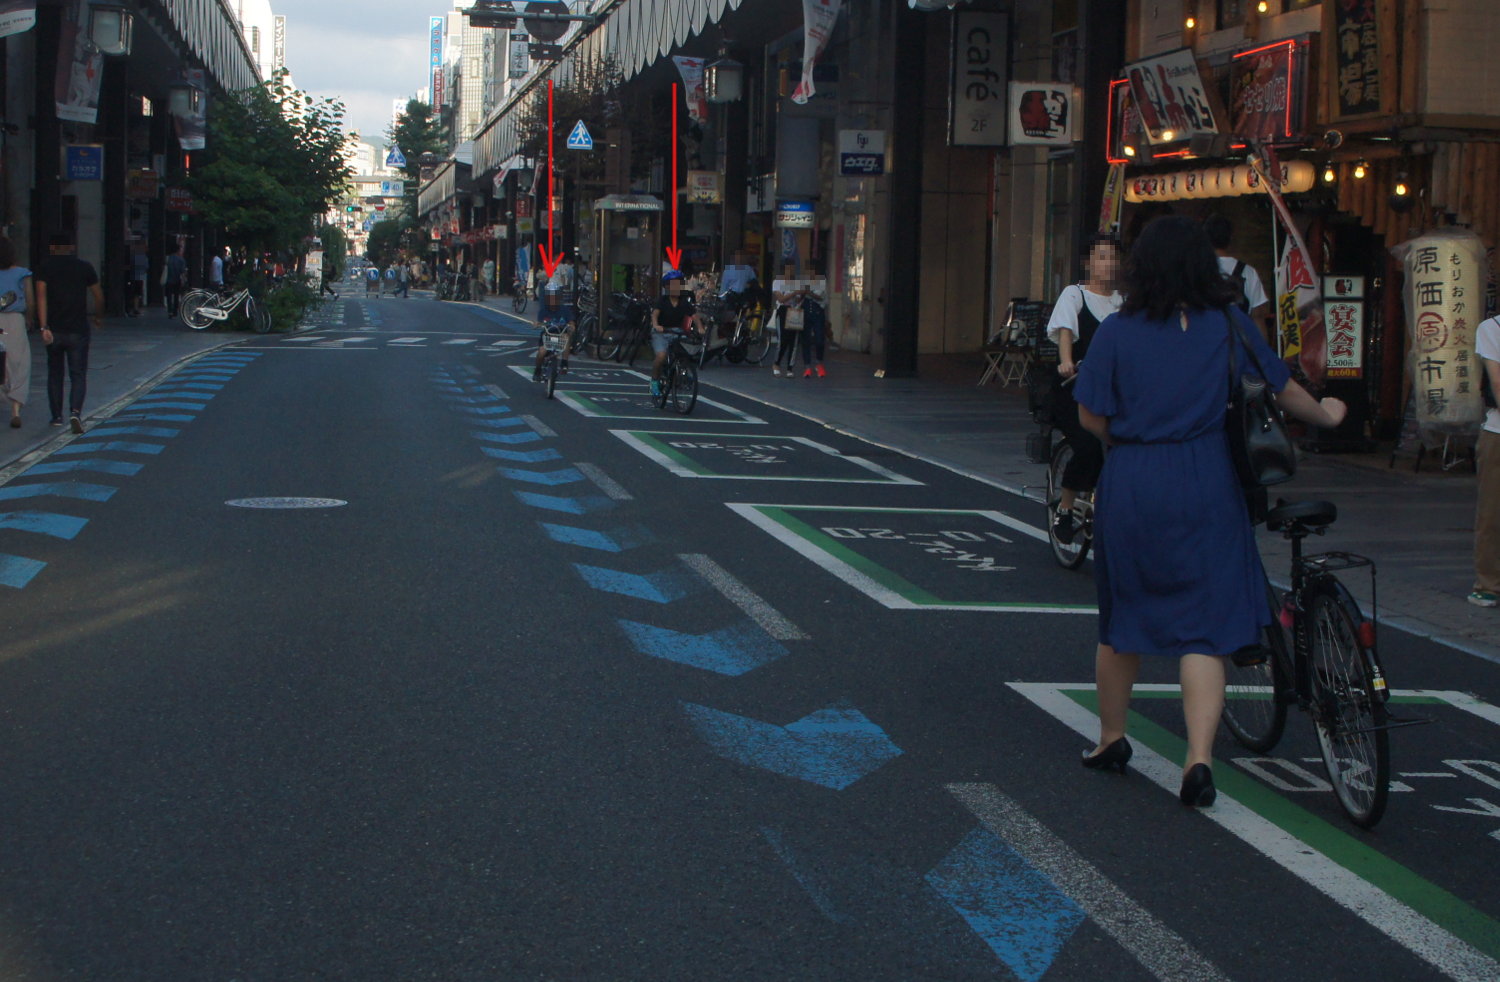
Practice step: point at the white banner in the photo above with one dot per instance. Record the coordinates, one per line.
(1444, 292)
(691, 70)
(79, 70)
(818, 17)
(16, 16)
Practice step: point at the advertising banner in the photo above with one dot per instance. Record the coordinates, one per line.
(691, 70)
(1041, 114)
(79, 67)
(435, 59)
(703, 188)
(1344, 317)
(1168, 93)
(818, 18)
(978, 95)
(142, 185)
(83, 162)
(1265, 93)
(1444, 294)
(1109, 205)
(278, 43)
(16, 16)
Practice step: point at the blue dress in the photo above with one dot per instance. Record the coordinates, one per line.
(1175, 559)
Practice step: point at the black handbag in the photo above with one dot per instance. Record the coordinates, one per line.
(1258, 442)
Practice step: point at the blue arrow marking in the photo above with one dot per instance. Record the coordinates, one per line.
(615, 540)
(104, 466)
(175, 391)
(525, 436)
(572, 506)
(17, 571)
(206, 386)
(158, 417)
(564, 475)
(114, 446)
(161, 431)
(61, 489)
(211, 376)
(832, 747)
(525, 456)
(148, 402)
(508, 422)
(728, 651)
(484, 410)
(484, 400)
(43, 523)
(1017, 910)
(662, 587)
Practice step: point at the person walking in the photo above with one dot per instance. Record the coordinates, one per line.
(1176, 567)
(1487, 456)
(325, 280)
(787, 293)
(64, 285)
(403, 280)
(1250, 293)
(1075, 317)
(17, 304)
(173, 278)
(216, 270)
(814, 325)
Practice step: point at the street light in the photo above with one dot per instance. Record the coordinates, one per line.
(723, 79)
(111, 28)
(184, 99)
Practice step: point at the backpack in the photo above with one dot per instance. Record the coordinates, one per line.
(1237, 280)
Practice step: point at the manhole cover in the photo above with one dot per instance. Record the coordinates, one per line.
(285, 503)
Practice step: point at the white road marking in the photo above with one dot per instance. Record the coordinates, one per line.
(496, 391)
(541, 428)
(1439, 948)
(461, 341)
(755, 607)
(407, 340)
(305, 337)
(611, 488)
(883, 475)
(1159, 949)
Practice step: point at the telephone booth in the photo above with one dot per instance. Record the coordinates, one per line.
(627, 233)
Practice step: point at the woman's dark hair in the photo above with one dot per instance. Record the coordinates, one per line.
(1173, 266)
(7, 253)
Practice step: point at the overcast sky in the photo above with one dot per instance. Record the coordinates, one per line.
(362, 52)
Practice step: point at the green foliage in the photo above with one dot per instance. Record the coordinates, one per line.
(274, 162)
(384, 243)
(335, 250)
(416, 131)
(290, 302)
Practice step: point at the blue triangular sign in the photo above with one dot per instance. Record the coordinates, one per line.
(580, 139)
(395, 158)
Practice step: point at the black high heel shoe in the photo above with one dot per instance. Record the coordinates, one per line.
(1198, 787)
(1117, 754)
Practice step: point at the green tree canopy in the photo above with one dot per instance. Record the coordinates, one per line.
(416, 131)
(335, 249)
(384, 244)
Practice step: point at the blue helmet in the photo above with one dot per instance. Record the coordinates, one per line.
(669, 275)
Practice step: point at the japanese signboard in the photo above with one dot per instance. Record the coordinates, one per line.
(435, 60)
(1356, 59)
(520, 59)
(1344, 324)
(1296, 176)
(795, 214)
(861, 153)
(278, 41)
(1169, 94)
(179, 200)
(1124, 125)
(1444, 293)
(703, 187)
(85, 162)
(1041, 114)
(142, 185)
(1265, 92)
(978, 93)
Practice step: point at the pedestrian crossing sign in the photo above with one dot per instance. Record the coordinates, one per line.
(580, 139)
(395, 158)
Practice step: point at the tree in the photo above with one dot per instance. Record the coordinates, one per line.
(274, 163)
(335, 249)
(416, 131)
(384, 244)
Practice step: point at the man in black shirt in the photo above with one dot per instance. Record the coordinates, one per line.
(64, 284)
(673, 312)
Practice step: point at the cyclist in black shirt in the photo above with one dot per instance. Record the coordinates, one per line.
(674, 311)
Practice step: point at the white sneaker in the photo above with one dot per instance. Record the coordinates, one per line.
(775, 370)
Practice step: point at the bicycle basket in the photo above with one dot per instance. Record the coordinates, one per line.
(1043, 396)
(554, 341)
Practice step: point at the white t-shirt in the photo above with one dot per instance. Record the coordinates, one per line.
(1065, 311)
(1487, 343)
(216, 271)
(562, 277)
(1255, 293)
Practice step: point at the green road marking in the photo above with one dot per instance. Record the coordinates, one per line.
(674, 453)
(1408, 700)
(1386, 874)
(876, 572)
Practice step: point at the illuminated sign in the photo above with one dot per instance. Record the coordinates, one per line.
(1265, 92)
(435, 59)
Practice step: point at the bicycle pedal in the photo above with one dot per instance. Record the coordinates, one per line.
(1249, 656)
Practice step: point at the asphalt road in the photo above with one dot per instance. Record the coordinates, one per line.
(574, 689)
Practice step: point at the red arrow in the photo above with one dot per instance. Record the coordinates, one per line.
(550, 259)
(674, 254)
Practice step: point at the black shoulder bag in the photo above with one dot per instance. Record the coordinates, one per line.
(1258, 442)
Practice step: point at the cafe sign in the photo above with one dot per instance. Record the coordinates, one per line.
(978, 95)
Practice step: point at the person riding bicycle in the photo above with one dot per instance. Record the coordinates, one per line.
(673, 312)
(1075, 317)
(557, 312)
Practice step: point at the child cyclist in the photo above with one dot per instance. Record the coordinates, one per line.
(674, 311)
(557, 312)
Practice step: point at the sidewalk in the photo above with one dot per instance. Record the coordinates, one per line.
(126, 354)
(1418, 527)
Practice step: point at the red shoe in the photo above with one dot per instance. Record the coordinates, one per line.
(807, 373)
(822, 372)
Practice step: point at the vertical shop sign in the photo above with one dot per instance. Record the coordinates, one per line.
(1356, 58)
(79, 67)
(1114, 194)
(818, 18)
(1344, 321)
(861, 153)
(16, 16)
(435, 60)
(1041, 114)
(520, 58)
(278, 42)
(1444, 293)
(1169, 94)
(978, 94)
(691, 70)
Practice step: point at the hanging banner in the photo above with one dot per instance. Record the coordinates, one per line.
(16, 16)
(192, 128)
(1168, 93)
(1444, 294)
(1344, 313)
(691, 70)
(818, 17)
(1041, 114)
(1114, 195)
(1299, 308)
(977, 90)
(79, 67)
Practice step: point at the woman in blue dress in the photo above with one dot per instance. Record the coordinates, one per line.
(1176, 565)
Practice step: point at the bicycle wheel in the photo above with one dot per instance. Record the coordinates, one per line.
(608, 339)
(583, 334)
(1252, 712)
(633, 345)
(518, 303)
(191, 314)
(1069, 555)
(757, 340)
(684, 376)
(1348, 707)
(260, 317)
(549, 374)
(664, 386)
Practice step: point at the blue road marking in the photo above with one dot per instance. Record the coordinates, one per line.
(214, 376)
(103, 465)
(832, 747)
(162, 431)
(43, 523)
(615, 540)
(147, 402)
(1014, 907)
(662, 587)
(484, 400)
(61, 489)
(173, 390)
(525, 456)
(508, 422)
(572, 506)
(563, 475)
(484, 410)
(804, 877)
(727, 651)
(158, 417)
(526, 436)
(209, 386)
(17, 571)
(114, 446)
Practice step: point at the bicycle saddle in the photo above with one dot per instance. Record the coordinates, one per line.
(1311, 514)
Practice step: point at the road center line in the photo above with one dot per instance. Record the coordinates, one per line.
(607, 484)
(1157, 947)
(746, 599)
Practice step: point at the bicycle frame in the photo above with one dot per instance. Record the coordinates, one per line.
(222, 308)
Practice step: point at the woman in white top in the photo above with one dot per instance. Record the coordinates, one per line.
(1075, 317)
(17, 301)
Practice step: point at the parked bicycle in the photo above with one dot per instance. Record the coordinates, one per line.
(625, 328)
(584, 335)
(679, 376)
(203, 308)
(752, 336)
(1319, 654)
(519, 295)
